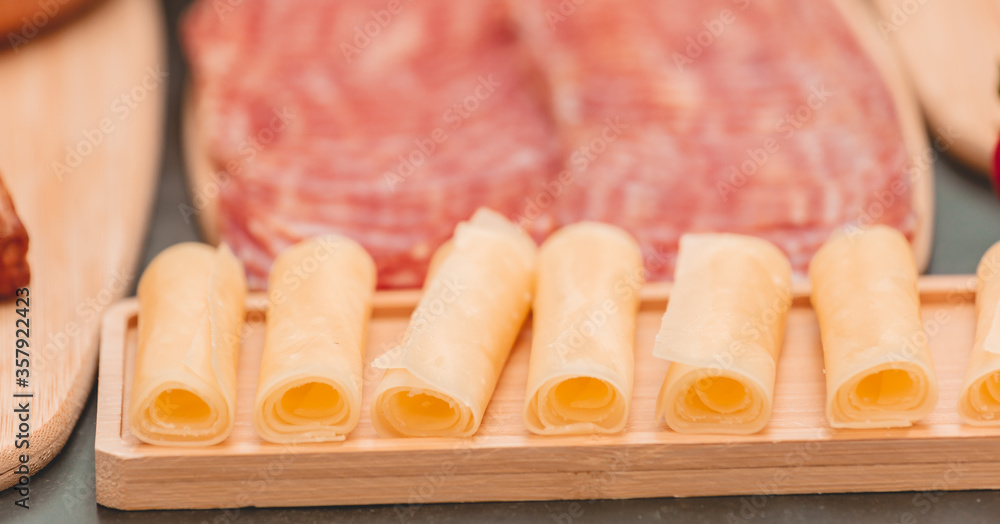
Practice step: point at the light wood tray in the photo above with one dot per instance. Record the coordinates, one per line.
(797, 453)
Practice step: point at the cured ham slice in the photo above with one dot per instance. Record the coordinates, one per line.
(879, 372)
(320, 299)
(979, 403)
(582, 364)
(387, 122)
(191, 309)
(440, 380)
(722, 332)
(762, 118)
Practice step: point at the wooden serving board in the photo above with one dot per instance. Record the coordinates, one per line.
(951, 51)
(205, 182)
(797, 453)
(63, 91)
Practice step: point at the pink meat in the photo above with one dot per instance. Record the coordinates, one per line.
(661, 116)
(763, 118)
(387, 121)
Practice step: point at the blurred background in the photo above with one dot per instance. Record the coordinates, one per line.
(965, 222)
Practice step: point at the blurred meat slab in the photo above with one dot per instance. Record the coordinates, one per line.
(391, 121)
(763, 118)
(388, 122)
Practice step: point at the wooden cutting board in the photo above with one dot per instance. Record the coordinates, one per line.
(952, 53)
(205, 182)
(797, 453)
(81, 112)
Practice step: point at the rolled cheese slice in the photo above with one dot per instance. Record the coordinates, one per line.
(722, 332)
(979, 403)
(440, 379)
(191, 310)
(319, 302)
(879, 372)
(586, 300)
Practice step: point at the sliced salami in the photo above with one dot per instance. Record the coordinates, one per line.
(386, 121)
(762, 118)
(391, 121)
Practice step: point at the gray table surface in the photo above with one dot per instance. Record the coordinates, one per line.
(967, 222)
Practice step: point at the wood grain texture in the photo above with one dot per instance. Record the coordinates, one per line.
(951, 51)
(206, 181)
(796, 453)
(86, 219)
